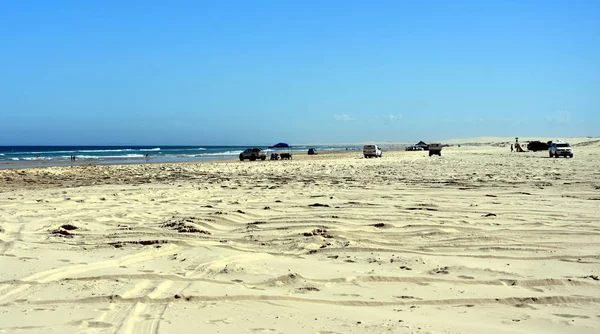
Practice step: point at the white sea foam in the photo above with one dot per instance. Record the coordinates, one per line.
(188, 149)
(219, 153)
(101, 151)
(105, 157)
(32, 158)
(150, 149)
(45, 152)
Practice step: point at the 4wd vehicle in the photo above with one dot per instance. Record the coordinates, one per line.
(435, 149)
(372, 151)
(538, 146)
(560, 148)
(312, 151)
(253, 154)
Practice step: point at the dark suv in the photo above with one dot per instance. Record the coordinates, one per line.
(253, 154)
(538, 146)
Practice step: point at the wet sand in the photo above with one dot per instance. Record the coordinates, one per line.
(478, 240)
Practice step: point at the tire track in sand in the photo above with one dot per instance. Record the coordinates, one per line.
(145, 317)
(69, 271)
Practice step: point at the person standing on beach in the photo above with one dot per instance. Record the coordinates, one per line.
(511, 148)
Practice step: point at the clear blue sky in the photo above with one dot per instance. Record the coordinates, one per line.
(241, 72)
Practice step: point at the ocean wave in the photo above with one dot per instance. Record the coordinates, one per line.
(31, 158)
(150, 149)
(104, 157)
(73, 151)
(186, 149)
(219, 153)
(103, 151)
(44, 152)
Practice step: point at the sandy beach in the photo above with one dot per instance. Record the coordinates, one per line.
(479, 240)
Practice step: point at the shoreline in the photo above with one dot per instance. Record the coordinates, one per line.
(41, 162)
(25, 165)
(100, 162)
(480, 142)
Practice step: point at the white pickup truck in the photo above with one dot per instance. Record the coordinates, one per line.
(372, 151)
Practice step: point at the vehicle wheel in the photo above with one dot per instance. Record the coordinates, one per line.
(556, 155)
(241, 157)
(570, 156)
(366, 156)
(263, 158)
(550, 154)
(253, 158)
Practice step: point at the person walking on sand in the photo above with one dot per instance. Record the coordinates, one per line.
(511, 148)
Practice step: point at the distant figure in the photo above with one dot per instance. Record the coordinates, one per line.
(37, 156)
(512, 148)
(147, 156)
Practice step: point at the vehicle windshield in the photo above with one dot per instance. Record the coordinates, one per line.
(563, 145)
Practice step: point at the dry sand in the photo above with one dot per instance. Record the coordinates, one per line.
(476, 241)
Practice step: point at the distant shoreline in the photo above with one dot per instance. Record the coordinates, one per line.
(125, 161)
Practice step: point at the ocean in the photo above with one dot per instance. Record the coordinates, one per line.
(35, 156)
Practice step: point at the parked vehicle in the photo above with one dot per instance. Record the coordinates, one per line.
(560, 149)
(253, 154)
(435, 149)
(538, 146)
(312, 151)
(415, 148)
(372, 151)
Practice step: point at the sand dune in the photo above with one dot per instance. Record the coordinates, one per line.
(478, 240)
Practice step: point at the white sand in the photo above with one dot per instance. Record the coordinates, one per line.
(438, 262)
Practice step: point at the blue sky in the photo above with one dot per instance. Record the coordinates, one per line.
(242, 72)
